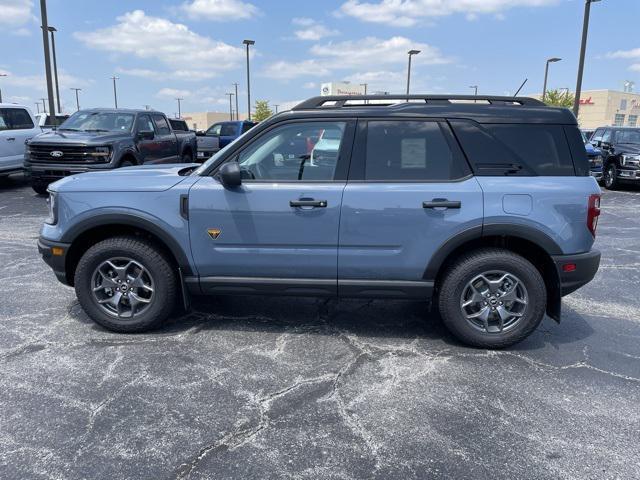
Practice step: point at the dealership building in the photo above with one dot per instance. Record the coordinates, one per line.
(609, 107)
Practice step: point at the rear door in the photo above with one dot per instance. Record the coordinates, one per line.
(166, 139)
(279, 229)
(410, 190)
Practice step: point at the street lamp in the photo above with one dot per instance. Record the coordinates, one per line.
(546, 74)
(276, 107)
(77, 99)
(115, 93)
(55, 66)
(2, 75)
(583, 48)
(410, 52)
(230, 106)
(237, 111)
(47, 59)
(248, 43)
(179, 110)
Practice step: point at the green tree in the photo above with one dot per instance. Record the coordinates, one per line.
(262, 111)
(559, 98)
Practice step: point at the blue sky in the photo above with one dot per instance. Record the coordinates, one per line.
(193, 48)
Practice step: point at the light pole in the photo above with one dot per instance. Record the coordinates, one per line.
(475, 91)
(179, 110)
(248, 43)
(37, 107)
(237, 111)
(2, 75)
(44, 105)
(230, 106)
(583, 48)
(546, 74)
(115, 93)
(55, 67)
(411, 53)
(47, 60)
(276, 107)
(77, 99)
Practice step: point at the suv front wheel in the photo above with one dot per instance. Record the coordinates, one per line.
(126, 284)
(492, 298)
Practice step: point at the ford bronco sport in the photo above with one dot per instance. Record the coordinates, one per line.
(485, 207)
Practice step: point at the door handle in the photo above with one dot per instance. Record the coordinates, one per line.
(442, 203)
(11, 139)
(308, 203)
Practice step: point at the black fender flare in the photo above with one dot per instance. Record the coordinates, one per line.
(132, 220)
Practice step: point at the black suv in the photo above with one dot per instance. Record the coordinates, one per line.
(621, 154)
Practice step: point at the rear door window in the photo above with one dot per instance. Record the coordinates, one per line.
(161, 125)
(410, 151)
(228, 130)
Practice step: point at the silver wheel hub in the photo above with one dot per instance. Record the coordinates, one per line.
(494, 301)
(122, 287)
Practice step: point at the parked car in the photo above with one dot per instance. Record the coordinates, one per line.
(594, 155)
(47, 122)
(104, 139)
(621, 154)
(219, 135)
(17, 125)
(486, 210)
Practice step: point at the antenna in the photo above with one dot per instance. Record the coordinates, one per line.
(518, 91)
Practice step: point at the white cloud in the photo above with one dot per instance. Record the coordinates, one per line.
(139, 35)
(219, 10)
(311, 30)
(310, 85)
(283, 70)
(173, 93)
(635, 67)
(15, 12)
(141, 72)
(187, 75)
(38, 82)
(371, 51)
(633, 53)
(405, 13)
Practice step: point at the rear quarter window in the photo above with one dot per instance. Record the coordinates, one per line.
(515, 149)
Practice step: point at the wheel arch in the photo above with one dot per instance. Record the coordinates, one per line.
(535, 246)
(85, 234)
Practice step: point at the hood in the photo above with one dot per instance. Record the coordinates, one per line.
(85, 138)
(146, 178)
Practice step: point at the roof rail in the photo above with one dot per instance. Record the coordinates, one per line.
(339, 101)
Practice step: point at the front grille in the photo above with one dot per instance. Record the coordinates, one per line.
(70, 154)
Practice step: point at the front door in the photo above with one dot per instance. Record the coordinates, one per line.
(279, 229)
(166, 139)
(148, 145)
(409, 191)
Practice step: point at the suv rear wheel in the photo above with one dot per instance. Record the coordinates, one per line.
(126, 284)
(492, 298)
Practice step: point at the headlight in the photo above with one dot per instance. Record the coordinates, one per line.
(52, 202)
(101, 152)
(630, 160)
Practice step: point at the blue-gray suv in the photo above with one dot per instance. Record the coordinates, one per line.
(483, 206)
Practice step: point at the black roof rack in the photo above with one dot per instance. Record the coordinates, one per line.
(339, 101)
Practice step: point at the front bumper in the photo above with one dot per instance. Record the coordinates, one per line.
(48, 173)
(575, 271)
(54, 254)
(627, 174)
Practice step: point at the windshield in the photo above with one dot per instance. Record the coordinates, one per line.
(99, 122)
(628, 136)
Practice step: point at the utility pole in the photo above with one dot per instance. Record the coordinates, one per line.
(583, 49)
(411, 53)
(248, 43)
(237, 111)
(47, 60)
(115, 93)
(179, 110)
(475, 89)
(77, 99)
(276, 107)
(146, 107)
(230, 106)
(2, 75)
(55, 67)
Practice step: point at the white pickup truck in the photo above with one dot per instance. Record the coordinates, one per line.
(17, 125)
(45, 120)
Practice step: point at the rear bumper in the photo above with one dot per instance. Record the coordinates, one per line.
(56, 262)
(575, 271)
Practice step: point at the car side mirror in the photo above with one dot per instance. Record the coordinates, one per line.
(146, 134)
(229, 174)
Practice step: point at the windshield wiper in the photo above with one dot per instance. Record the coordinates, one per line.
(70, 129)
(95, 130)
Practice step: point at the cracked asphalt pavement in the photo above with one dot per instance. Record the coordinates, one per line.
(258, 387)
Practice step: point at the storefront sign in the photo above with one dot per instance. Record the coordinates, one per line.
(586, 101)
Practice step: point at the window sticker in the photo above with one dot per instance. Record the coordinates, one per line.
(413, 153)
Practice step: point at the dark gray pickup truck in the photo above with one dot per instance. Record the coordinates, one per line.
(103, 139)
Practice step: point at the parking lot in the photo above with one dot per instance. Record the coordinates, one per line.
(258, 387)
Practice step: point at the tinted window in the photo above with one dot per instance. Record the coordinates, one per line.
(597, 135)
(294, 152)
(246, 126)
(15, 119)
(607, 136)
(98, 121)
(161, 125)
(228, 130)
(628, 136)
(145, 124)
(410, 151)
(515, 149)
(214, 129)
(179, 125)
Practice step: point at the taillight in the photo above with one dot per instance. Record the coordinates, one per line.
(593, 213)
